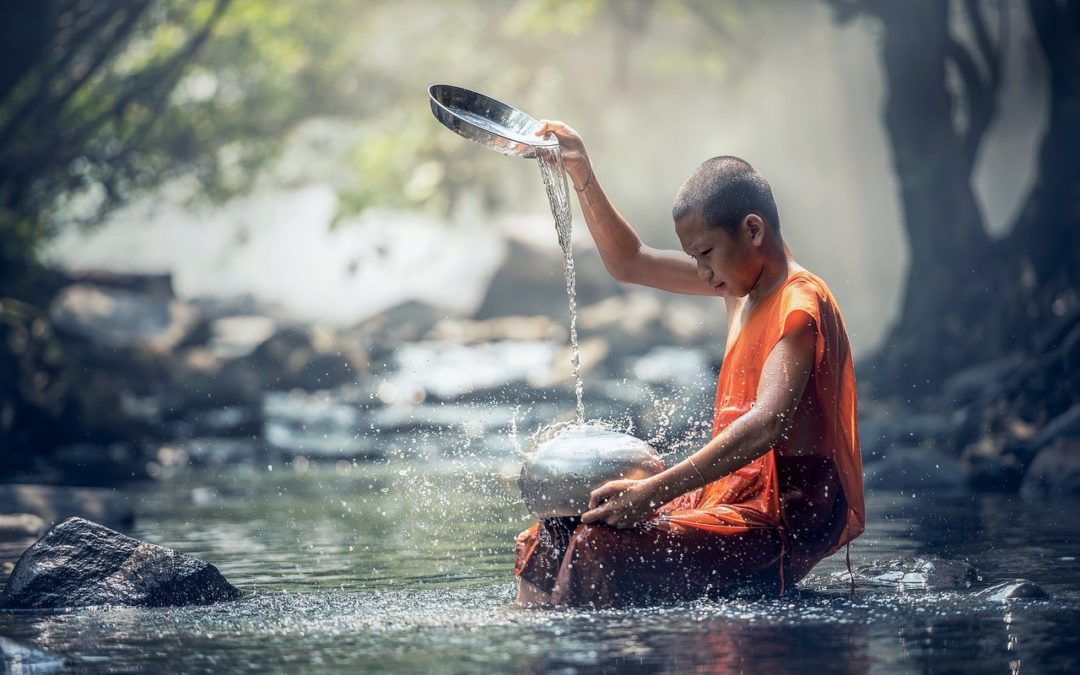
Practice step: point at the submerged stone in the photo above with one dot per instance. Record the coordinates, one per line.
(81, 564)
(919, 573)
(1009, 590)
(19, 658)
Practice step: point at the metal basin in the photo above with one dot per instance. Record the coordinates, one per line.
(559, 473)
(490, 123)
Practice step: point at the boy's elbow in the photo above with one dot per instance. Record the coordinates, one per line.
(624, 270)
(622, 273)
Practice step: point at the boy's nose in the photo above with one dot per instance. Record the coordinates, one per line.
(704, 271)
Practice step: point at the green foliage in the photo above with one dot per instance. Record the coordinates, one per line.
(102, 101)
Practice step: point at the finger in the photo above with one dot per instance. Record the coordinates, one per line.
(590, 516)
(602, 494)
(597, 497)
(596, 515)
(560, 129)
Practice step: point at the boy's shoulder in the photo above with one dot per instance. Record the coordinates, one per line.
(802, 281)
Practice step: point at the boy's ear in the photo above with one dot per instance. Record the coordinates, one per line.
(754, 228)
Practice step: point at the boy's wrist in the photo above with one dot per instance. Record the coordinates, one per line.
(583, 185)
(656, 488)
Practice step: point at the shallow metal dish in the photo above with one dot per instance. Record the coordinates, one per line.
(559, 473)
(490, 123)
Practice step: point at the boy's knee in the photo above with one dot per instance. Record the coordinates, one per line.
(593, 537)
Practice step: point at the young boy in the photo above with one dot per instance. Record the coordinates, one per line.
(779, 486)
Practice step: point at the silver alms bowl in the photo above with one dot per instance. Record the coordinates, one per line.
(559, 473)
(490, 123)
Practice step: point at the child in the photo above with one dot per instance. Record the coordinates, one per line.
(779, 486)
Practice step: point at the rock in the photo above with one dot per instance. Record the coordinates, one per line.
(118, 318)
(883, 428)
(1056, 470)
(87, 464)
(53, 504)
(1065, 424)
(917, 573)
(236, 336)
(1009, 590)
(632, 323)
(980, 382)
(530, 281)
(406, 322)
(200, 381)
(226, 422)
(679, 366)
(19, 658)
(156, 285)
(468, 331)
(300, 359)
(990, 468)
(20, 526)
(35, 382)
(911, 468)
(81, 564)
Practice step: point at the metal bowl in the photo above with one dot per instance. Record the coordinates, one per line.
(490, 123)
(559, 473)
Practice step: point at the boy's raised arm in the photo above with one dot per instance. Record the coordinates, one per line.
(625, 256)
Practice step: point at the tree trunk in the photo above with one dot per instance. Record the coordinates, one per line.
(948, 245)
(1047, 233)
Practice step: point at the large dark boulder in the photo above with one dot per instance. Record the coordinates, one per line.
(81, 564)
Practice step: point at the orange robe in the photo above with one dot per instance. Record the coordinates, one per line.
(767, 523)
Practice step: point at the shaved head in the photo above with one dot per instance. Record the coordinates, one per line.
(726, 189)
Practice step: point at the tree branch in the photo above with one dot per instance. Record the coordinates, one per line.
(991, 54)
(980, 95)
(40, 109)
(160, 79)
(701, 10)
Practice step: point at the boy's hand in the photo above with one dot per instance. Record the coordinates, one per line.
(620, 503)
(575, 158)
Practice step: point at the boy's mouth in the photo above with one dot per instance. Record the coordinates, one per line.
(718, 286)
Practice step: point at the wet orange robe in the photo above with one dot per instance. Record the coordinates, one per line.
(769, 522)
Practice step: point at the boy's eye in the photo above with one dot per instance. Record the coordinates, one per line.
(706, 252)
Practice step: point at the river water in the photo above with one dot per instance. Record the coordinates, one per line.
(405, 566)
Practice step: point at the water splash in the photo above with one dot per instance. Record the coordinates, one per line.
(551, 168)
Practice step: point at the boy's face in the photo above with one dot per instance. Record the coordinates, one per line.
(730, 263)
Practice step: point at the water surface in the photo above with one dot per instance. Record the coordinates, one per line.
(406, 566)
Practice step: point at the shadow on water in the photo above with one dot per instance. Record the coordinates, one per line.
(407, 566)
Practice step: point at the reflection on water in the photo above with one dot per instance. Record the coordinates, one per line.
(406, 566)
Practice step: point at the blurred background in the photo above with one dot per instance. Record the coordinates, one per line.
(232, 230)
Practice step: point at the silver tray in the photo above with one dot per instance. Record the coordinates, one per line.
(490, 123)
